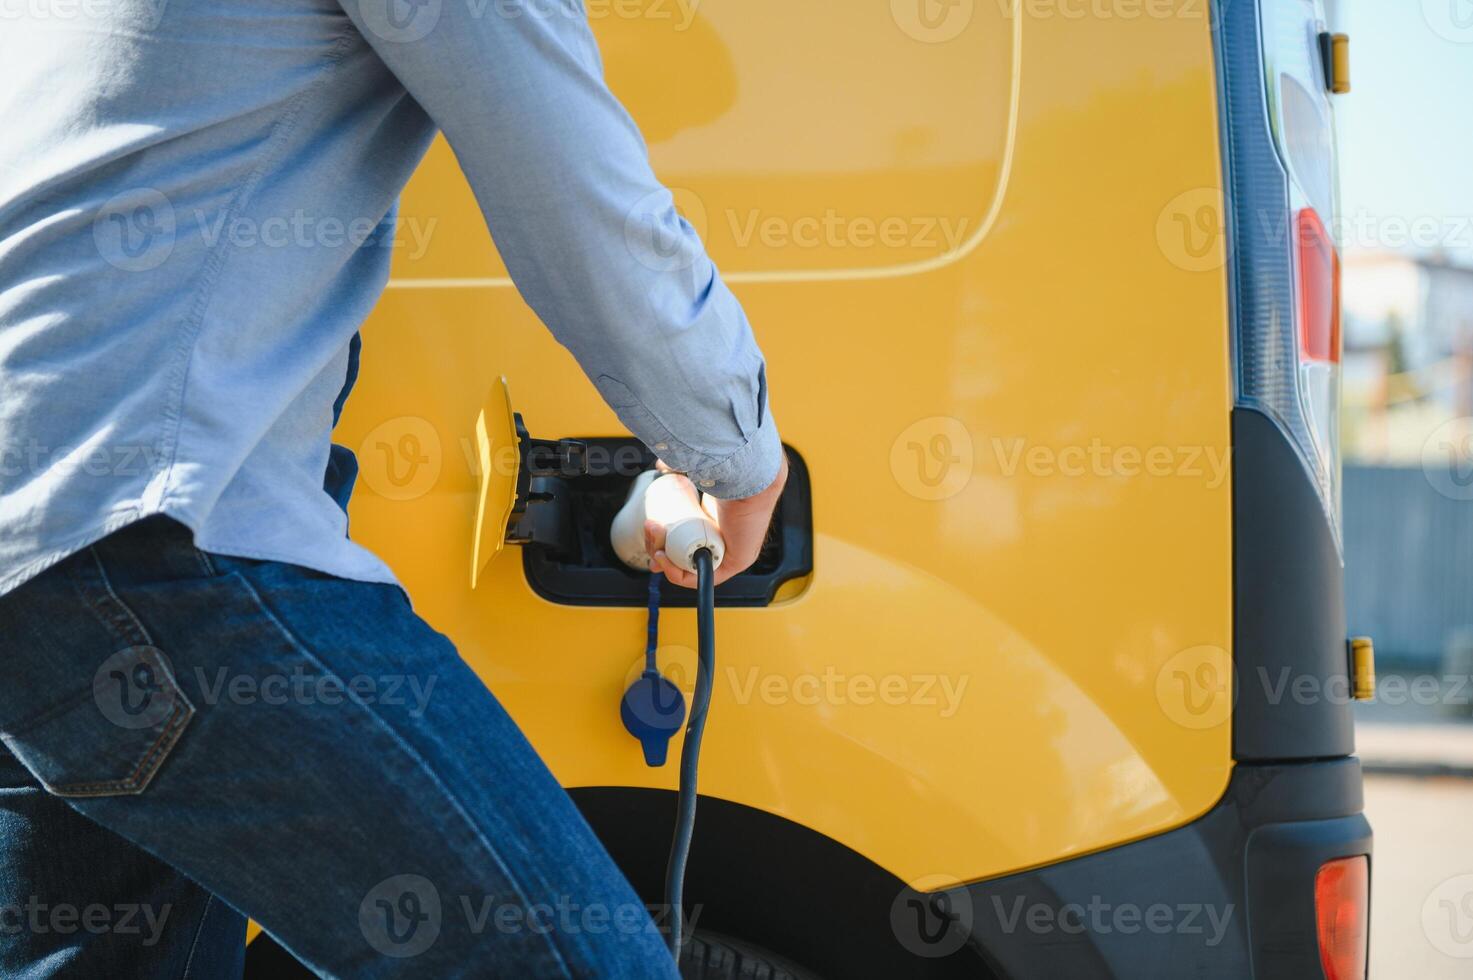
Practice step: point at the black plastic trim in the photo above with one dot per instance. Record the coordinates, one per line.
(1227, 897)
(586, 572)
(1292, 679)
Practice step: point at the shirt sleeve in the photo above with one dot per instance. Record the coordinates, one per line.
(589, 234)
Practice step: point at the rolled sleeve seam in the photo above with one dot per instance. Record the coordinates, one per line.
(749, 470)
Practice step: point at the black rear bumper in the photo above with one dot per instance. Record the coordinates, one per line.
(1228, 896)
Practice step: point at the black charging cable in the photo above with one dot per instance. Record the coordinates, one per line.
(690, 752)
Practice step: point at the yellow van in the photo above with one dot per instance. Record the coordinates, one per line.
(1043, 670)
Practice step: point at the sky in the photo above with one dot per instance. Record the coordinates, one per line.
(1406, 128)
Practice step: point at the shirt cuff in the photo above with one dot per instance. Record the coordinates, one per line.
(749, 470)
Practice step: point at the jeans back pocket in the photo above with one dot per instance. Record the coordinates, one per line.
(111, 738)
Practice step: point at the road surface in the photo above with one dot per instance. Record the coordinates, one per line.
(1422, 878)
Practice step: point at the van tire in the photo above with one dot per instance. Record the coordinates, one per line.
(712, 956)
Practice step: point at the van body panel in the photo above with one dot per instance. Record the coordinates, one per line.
(1013, 645)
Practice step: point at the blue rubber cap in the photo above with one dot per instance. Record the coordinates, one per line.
(653, 709)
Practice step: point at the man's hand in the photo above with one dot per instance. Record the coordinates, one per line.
(743, 525)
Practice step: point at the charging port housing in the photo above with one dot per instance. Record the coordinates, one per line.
(568, 559)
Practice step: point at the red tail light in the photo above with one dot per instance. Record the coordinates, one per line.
(1318, 264)
(1319, 290)
(1342, 905)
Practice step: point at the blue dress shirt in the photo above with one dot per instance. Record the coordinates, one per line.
(195, 199)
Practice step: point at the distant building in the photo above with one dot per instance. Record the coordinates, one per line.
(1432, 298)
(1413, 318)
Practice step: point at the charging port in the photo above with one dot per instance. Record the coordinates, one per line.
(564, 514)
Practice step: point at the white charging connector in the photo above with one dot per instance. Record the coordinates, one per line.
(671, 501)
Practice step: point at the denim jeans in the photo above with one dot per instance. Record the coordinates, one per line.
(194, 739)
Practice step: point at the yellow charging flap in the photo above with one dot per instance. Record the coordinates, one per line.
(499, 454)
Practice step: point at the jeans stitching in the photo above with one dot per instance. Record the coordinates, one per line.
(116, 614)
(199, 931)
(153, 757)
(149, 764)
(120, 620)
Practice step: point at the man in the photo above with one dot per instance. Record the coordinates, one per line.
(180, 288)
